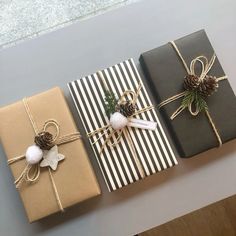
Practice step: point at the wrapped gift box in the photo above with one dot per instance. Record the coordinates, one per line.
(152, 147)
(75, 180)
(165, 72)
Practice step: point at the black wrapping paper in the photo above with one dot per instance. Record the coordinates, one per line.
(165, 73)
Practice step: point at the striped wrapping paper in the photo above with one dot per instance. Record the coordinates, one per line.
(117, 164)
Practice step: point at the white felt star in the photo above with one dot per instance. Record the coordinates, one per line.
(51, 158)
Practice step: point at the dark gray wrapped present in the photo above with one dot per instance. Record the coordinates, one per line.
(166, 73)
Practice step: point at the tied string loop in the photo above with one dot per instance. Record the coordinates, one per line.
(205, 67)
(113, 137)
(31, 172)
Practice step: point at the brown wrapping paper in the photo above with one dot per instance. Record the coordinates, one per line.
(74, 177)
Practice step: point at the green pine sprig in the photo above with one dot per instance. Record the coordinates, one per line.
(110, 101)
(196, 99)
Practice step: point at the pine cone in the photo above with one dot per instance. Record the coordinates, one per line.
(208, 86)
(191, 82)
(44, 140)
(127, 109)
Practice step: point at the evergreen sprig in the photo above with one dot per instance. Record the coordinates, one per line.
(110, 102)
(196, 99)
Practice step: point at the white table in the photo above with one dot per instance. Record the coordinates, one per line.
(82, 48)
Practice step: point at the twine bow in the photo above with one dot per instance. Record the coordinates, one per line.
(206, 66)
(31, 172)
(113, 137)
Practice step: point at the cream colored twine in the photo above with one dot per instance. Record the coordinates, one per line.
(205, 68)
(114, 136)
(31, 173)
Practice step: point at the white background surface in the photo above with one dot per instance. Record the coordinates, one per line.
(82, 48)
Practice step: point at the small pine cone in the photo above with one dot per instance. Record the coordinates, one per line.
(127, 109)
(191, 82)
(208, 86)
(44, 140)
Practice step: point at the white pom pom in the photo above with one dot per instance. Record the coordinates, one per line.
(33, 154)
(118, 121)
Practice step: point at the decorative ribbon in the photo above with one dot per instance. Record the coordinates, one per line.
(205, 68)
(31, 173)
(114, 136)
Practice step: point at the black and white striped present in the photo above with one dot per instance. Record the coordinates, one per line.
(152, 147)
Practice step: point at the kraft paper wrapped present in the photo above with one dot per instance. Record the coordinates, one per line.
(165, 72)
(125, 154)
(53, 190)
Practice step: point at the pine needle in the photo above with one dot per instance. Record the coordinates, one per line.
(196, 99)
(110, 102)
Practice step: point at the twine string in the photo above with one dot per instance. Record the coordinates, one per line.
(135, 156)
(52, 123)
(213, 127)
(26, 105)
(55, 190)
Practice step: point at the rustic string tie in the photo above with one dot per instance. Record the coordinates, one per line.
(122, 117)
(197, 88)
(44, 153)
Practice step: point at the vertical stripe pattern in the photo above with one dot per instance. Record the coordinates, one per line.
(152, 147)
